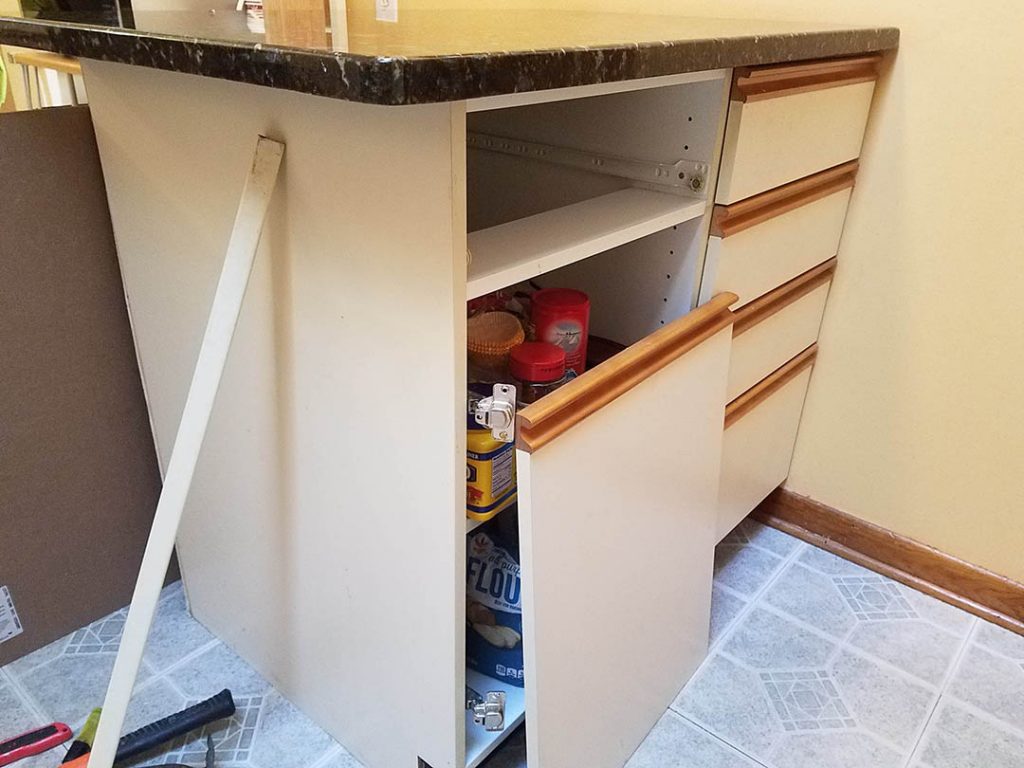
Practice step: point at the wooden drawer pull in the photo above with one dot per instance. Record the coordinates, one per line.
(729, 219)
(43, 60)
(543, 421)
(746, 402)
(766, 306)
(759, 83)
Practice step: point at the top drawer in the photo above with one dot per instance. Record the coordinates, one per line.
(786, 122)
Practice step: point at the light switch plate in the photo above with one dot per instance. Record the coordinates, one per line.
(10, 624)
(387, 10)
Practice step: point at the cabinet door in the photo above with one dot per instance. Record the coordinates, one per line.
(618, 474)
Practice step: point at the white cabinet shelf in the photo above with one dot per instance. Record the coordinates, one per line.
(521, 249)
(479, 742)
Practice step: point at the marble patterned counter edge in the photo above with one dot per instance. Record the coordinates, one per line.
(399, 80)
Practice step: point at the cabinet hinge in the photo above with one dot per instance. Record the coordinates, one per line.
(498, 412)
(488, 711)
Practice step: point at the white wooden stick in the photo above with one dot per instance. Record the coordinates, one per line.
(220, 327)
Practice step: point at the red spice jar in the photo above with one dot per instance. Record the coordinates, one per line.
(538, 368)
(561, 317)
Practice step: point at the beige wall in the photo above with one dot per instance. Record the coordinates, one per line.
(915, 418)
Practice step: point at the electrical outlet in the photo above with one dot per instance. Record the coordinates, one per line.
(387, 10)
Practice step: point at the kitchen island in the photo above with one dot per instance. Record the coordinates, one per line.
(690, 175)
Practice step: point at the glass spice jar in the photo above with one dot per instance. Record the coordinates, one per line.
(538, 368)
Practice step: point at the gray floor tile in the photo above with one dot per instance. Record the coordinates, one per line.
(830, 564)
(17, 718)
(992, 683)
(343, 759)
(813, 598)
(725, 607)
(731, 702)
(1000, 640)
(751, 531)
(941, 614)
(765, 640)
(287, 737)
(778, 691)
(27, 663)
(959, 739)
(216, 669)
(102, 636)
(156, 700)
(881, 701)
(834, 749)
(745, 569)
(175, 634)
(913, 645)
(67, 688)
(678, 743)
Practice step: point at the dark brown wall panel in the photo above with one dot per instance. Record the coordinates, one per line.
(78, 472)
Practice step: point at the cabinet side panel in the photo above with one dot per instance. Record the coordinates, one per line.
(617, 518)
(322, 536)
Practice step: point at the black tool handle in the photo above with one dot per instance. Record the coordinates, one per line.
(178, 724)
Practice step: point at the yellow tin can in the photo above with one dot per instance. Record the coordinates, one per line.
(490, 470)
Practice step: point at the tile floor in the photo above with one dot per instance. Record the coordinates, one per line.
(815, 663)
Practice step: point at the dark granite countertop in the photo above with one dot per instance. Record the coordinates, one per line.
(434, 55)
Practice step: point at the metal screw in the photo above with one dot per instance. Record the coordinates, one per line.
(696, 182)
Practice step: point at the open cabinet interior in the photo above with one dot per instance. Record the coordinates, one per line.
(619, 182)
(608, 195)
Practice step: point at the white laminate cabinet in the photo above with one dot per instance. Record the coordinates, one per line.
(325, 534)
(776, 328)
(789, 163)
(754, 254)
(790, 121)
(760, 433)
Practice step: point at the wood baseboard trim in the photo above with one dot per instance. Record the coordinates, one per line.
(980, 592)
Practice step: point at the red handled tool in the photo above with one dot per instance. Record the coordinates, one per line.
(33, 742)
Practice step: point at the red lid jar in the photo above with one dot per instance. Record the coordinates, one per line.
(561, 317)
(537, 362)
(538, 368)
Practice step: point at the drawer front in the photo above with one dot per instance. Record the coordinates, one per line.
(777, 328)
(617, 533)
(788, 122)
(758, 259)
(759, 438)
